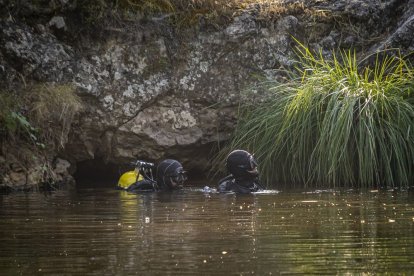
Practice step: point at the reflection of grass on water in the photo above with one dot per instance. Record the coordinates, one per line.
(337, 124)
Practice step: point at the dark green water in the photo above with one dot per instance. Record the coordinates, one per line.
(103, 231)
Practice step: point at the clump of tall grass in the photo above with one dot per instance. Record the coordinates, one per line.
(14, 124)
(52, 109)
(338, 124)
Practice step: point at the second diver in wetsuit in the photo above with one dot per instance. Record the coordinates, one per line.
(170, 176)
(244, 176)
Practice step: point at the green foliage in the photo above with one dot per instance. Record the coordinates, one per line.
(14, 125)
(52, 109)
(337, 124)
(8, 124)
(40, 115)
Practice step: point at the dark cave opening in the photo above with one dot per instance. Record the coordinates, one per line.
(97, 173)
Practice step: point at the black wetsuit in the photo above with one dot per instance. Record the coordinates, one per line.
(240, 185)
(170, 176)
(145, 185)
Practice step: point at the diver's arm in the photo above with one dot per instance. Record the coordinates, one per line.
(225, 184)
(143, 185)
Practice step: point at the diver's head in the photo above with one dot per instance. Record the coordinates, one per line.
(241, 164)
(170, 174)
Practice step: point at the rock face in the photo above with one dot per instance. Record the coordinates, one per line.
(153, 97)
(151, 92)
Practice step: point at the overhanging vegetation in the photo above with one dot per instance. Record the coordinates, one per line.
(334, 124)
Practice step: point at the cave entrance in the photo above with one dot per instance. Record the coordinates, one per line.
(97, 173)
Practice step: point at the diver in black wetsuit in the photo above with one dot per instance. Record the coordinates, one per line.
(244, 176)
(170, 176)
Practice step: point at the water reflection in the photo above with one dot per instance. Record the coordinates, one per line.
(108, 232)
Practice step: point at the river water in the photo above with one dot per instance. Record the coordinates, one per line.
(102, 231)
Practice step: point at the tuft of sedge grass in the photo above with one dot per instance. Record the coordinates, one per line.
(52, 110)
(335, 125)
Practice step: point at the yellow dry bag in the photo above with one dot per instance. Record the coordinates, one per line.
(129, 178)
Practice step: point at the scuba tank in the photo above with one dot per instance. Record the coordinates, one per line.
(130, 177)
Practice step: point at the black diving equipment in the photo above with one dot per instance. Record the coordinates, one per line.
(178, 177)
(142, 171)
(170, 174)
(242, 164)
(244, 174)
